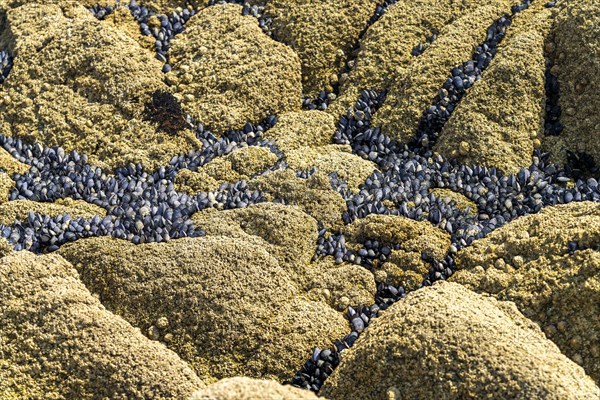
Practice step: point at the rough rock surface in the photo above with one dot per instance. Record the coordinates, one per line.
(323, 33)
(416, 86)
(314, 195)
(527, 262)
(10, 165)
(488, 128)
(447, 342)
(58, 342)
(242, 388)
(305, 139)
(225, 305)
(6, 184)
(576, 60)
(82, 85)
(19, 209)
(386, 47)
(227, 71)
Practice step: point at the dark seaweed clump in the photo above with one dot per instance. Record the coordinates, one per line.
(165, 110)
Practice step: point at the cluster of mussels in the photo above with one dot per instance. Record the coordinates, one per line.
(144, 206)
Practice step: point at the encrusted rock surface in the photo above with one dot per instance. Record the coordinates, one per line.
(241, 388)
(557, 287)
(447, 342)
(59, 342)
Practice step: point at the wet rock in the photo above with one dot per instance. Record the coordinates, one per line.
(577, 36)
(417, 85)
(323, 33)
(500, 132)
(447, 342)
(81, 84)
(55, 332)
(230, 72)
(387, 45)
(242, 388)
(19, 209)
(233, 309)
(530, 262)
(313, 195)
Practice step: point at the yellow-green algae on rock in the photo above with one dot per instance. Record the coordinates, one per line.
(19, 209)
(416, 86)
(501, 118)
(313, 195)
(241, 164)
(6, 184)
(576, 64)
(386, 47)
(224, 304)
(405, 265)
(82, 84)
(322, 33)
(243, 388)
(461, 201)
(526, 261)
(447, 342)
(227, 71)
(58, 342)
(305, 139)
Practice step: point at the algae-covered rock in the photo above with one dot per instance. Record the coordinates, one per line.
(488, 127)
(286, 232)
(527, 262)
(228, 72)
(19, 209)
(59, 342)
(323, 33)
(460, 200)
(224, 304)
(305, 140)
(243, 388)
(313, 195)
(408, 240)
(6, 184)
(576, 62)
(386, 47)
(82, 84)
(10, 164)
(416, 86)
(447, 342)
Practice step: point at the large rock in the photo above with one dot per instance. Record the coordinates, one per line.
(224, 304)
(19, 210)
(446, 342)
(527, 262)
(416, 86)
(82, 84)
(386, 47)
(323, 33)
(242, 388)
(577, 60)
(489, 128)
(228, 72)
(58, 342)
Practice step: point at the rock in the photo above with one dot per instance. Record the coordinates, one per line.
(241, 164)
(19, 209)
(323, 33)
(416, 86)
(285, 232)
(9, 164)
(386, 47)
(54, 332)
(549, 286)
(6, 184)
(500, 132)
(462, 202)
(232, 308)
(445, 341)
(82, 84)
(233, 72)
(313, 195)
(577, 38)
(305, 139)
(242, 388)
